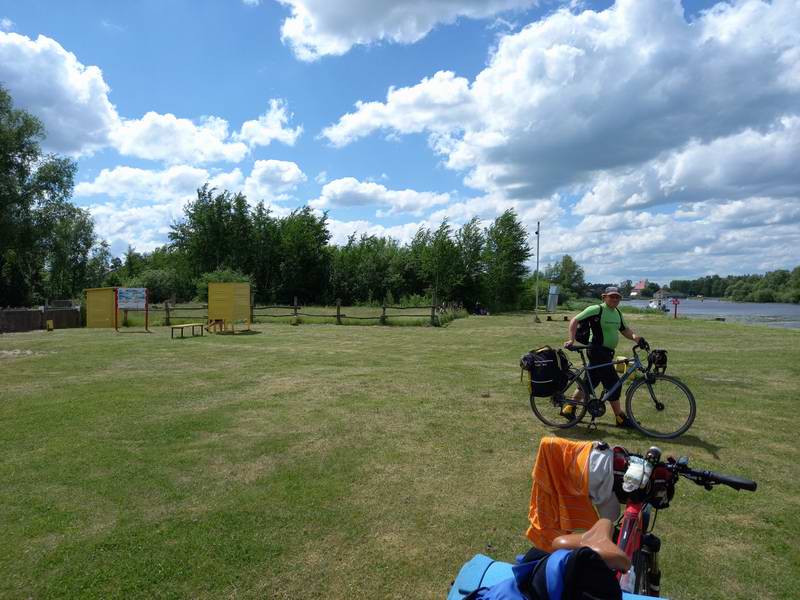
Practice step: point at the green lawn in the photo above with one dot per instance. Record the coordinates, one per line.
(356, 462)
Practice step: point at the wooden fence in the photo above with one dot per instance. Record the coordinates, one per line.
(29, 319)
(432, 312)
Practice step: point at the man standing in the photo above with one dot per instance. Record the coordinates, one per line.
(605, 325)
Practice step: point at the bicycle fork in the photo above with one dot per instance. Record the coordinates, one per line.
(651, 545)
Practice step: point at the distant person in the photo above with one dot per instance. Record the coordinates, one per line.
(603, 341)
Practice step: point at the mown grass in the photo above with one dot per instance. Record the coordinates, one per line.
(356, 462)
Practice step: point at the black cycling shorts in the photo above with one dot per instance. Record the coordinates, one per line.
(608, 376)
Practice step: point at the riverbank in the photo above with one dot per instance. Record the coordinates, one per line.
(751, 313)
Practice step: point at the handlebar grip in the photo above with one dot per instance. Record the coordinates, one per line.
(737, 483)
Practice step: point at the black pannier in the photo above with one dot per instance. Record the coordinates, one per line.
(548, 371)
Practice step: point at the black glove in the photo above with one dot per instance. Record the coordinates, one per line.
(643, 344)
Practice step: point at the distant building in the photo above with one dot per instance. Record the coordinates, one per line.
(639, 287)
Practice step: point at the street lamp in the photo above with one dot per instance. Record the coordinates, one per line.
(536, 306)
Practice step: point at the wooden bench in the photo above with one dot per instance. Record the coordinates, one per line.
(185, 326)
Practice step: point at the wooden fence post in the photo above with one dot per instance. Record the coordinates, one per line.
(252, 305)
(338, 311)
(383, 314)
(166, 311)
(433, 311)
(295, 307)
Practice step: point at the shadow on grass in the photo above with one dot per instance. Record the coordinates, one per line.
(238, 333)
(581, 432)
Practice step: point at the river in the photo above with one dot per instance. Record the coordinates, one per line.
(770, 314)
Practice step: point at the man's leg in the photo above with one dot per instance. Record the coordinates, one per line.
(608, 377)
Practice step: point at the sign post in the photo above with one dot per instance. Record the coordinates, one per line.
(675, 303)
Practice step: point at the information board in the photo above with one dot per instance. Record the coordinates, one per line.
(132, 298)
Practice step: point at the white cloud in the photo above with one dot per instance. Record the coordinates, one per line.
(322, 177)
(269, 126)
(349, 192)
(6, 24)
(739, 166)
(143, 185)
(137, 206)
(320, 27)
(342, 230)
(750, 235)
(272, 180)
(575, 95)
(71, 99)
(441, 104)
(176, 140)
(251, 2)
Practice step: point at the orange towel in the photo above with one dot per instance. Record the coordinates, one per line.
(560, 500)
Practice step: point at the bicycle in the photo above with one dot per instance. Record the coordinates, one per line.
(635, 528)
(652, 491)
(658, 405)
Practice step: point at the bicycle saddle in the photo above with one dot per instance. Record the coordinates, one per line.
(598, 538)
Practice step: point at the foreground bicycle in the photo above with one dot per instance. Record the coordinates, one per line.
(635, 528)
(644, 490)
(659, 405)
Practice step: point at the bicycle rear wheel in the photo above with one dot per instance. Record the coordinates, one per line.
(551, 410)
(660, 406)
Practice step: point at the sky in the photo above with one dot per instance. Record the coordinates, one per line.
(652, 139)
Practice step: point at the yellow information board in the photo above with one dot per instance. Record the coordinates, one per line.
(101, 307)
(229, 302)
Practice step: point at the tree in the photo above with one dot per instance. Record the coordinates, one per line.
(265, 253)
(440, 263)
(134, 262)
(67, 249)
(469, 244)
(505, 254)
(305, 259)
(569, 276)
(206, 235)
(625, 288)
(34, 218)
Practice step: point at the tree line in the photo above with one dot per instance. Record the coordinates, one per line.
(221, 237)
(774, 286)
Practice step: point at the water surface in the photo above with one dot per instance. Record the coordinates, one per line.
(772, 314)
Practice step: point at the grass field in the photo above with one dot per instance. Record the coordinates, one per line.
(357, 462)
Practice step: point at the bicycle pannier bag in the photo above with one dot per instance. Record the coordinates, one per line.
(548, 370)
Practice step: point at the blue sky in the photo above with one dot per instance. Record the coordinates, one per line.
(652, 138)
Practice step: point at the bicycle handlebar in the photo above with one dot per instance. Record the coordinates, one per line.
(710, 478)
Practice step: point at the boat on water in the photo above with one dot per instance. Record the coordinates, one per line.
(657, 305)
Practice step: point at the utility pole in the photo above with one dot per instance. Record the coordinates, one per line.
(536, 309)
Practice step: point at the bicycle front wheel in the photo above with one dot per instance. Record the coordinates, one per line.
(560, 410)
(646, 577)
(660, 406)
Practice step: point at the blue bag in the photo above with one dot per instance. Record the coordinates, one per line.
(482, 571)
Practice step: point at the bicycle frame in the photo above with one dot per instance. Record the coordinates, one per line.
(636, 366)
(633, 527)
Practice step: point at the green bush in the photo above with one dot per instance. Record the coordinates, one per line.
(218, 276)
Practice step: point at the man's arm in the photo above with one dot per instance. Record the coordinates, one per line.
(573, 330)
(628, 333)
